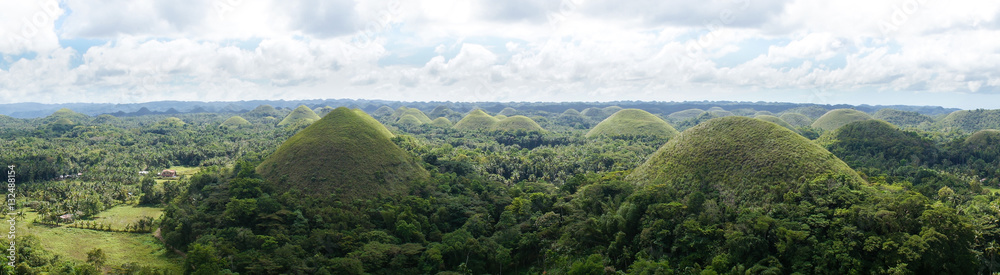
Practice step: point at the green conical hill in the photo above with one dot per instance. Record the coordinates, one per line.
(322, 111)
(516, 123)
(797, 119)
(383, 111)
(302, 114)
(171, 122)
(878, 144)
(972, 121)
(633, 122)
(571, 112)
(235, 122)
(346, 153)
(685, 115)
(477, 120)
(902, 118)
(441, 122)
(507, 111)
(74, 117)
(839, 117)
(741, 158)
(440, 111)
(409, 120)
(593, 112)
(264, 111)
(776, 120)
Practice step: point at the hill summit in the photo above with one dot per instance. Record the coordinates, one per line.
(302, 114)
(739, 157)
(477, 120)
(518, 122)
(633, 122)
(347, 153)
(839, 117)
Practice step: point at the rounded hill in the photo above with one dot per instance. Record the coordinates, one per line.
(633, 122)
(972, 121)
(346, 153)
(878, 144)
(477, 120)
(508, 111)
(516, 123)
(171, 122)
(686, 114)
(383, 111)
(74, 117)
(264, 111)
(409, 121)
(235, 122)
(441, 122)
(776, 120)
(839, 117)
(796, 119)
(302, 114)
(739, 157)
(984, 144)
(902, 118)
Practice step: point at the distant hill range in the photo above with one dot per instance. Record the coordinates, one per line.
(35, 110)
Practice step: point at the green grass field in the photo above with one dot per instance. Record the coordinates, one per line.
(120, 248)
(993, 190)
(120, 216)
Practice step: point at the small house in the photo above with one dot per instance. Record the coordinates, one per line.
(168, 173)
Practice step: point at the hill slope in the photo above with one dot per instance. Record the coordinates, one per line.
(796, 119)
(738, 156)
(302, 114)
(633, 122)
(441, 122)
(476, 120)
(347, 153)
(839, 117)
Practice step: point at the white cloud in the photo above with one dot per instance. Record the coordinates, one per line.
(483, 50)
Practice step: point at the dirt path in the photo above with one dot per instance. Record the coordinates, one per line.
(160, 237)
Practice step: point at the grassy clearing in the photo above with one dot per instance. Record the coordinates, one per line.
(121, 248)
(993, 190)
(120, 216)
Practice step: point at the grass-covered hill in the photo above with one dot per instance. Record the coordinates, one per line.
(685, 115)
(572, 112)
(476, 120)
(235, 122)
(594, 112)
(813, 112)
(878, 144)
(500, 117)
(346, 153)
(508, 111)
(171, 122)
(796, 119)
(839, 117)
(740, 158)
(902, 118)
(985, 140)
(633, 123)
(441, 122)
(440, 111)
(264, 111)
(383, 111)
(301, 115)
(777, 120)
(972, 121)
(518, 123)
(416, 113)
(409, 121)
(322, 111)
(66, 113)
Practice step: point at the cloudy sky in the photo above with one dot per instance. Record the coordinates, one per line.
(916, 52)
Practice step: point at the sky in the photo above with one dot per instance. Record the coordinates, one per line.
(911, 52)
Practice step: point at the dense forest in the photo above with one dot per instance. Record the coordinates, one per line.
(492, 188)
